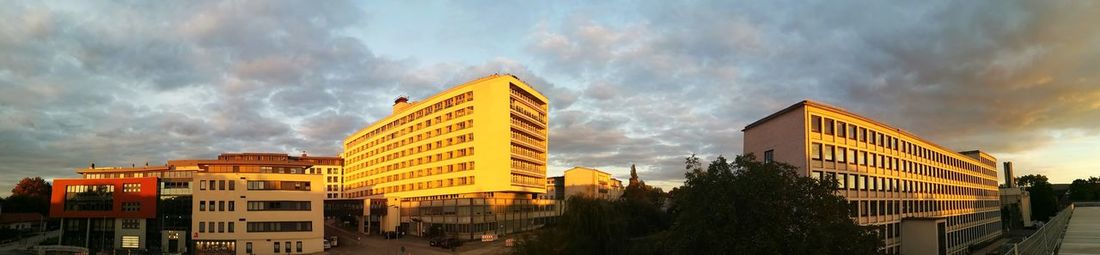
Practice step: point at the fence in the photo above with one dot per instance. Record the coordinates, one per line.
(1047, 239)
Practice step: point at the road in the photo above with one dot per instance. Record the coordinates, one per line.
(413, 245)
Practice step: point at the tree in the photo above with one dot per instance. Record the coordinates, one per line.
(1085, 190)
(1044, 203)
(642, 206)
(588, 226)
(29, 195)
(749, 207)
(1031, 180)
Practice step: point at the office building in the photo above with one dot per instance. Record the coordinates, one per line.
(243, 203)
(333, 170)
(471, 159)
(555, 187)
(922, 197)
(588, 182)
(256, 203)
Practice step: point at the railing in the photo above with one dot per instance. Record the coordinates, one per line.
(1047, 239)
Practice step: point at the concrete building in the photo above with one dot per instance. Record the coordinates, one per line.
(1015, 202)
(924, 198)
(243, 203)
(23, 221)
(471, 159)
(555, 187)
(256, 203)
(583, 181)
(333, 170)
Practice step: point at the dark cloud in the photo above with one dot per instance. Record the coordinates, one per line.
(684, 78)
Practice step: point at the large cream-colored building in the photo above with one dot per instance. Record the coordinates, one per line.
(913, 190)
(583, 181)
(256, 203)
(470, 152)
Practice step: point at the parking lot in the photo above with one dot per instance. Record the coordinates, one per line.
(412, 245)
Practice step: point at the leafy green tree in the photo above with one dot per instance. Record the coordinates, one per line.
(642, 205)
(588, 226)
(750, 207)
(1031, 180)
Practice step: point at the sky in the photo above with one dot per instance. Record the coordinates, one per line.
(630, 82)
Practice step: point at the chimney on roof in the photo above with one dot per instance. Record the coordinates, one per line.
(400, 103)
(93, 165)
(1010, 180)
(146, 163)
(303, 154)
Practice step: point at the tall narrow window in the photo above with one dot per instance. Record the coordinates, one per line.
(815, 124)
(232, 185)
(841, 128)
(829, 126)
(815, 151)
(769, 156)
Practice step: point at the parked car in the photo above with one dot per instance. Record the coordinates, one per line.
(334, 240)
(449, 243)
(327, 245)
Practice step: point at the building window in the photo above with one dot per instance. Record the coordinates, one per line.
(248, 247)
(202, 227)
(815, 124)
(210, 225)
(232, 185)
(221, 185)
(828, 126)
(130, 224)
(230, 228)
(298, 246)
(852, 130)
(280, 226)
(232, 206)
(829, 153)
(862, 134)
(841, 154)
(852, 181)
(131, 187)
(276, 247)
(840, 129)
(842, 181)
(131, 206)
(213, 184)
(815, 151)
(286, 246)
(202, 185)
(221, 206)
(131, 242)
(769, 156)
(202, 205)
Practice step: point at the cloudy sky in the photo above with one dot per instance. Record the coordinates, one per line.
(648, 83)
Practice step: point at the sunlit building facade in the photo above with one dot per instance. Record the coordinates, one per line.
(256, 203)
(923, 198)
(471, 158)
(592, 183)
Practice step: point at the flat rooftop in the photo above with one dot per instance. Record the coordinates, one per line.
(1083, 232)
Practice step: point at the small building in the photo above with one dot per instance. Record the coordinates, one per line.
(583, 181)
(22, 221)
(555, 187)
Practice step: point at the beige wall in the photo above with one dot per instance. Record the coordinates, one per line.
(262, 242)
(920, 236)
(785, 135)
(582, 181)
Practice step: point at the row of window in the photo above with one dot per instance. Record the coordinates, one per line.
(965, 237)
(160, 174)
(878, 138)
(536, 105)
(217, 206)
(131, 206)
(217, 184)
(131, 223)
(846, 181)
(424, 185)
(131, 187)
(527, 152)
(525, 180)
(428, 134)
(280, 226)
(438, 106)
(279, 185)
(410, 174)
(872, 208)
(286, 246)
(851, 156)
(279, 205)
(222, 227)
(530, 168)
(428, 146)
(260, 169)
(426, 159)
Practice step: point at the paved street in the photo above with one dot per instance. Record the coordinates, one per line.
(20, 246)
(413, 245)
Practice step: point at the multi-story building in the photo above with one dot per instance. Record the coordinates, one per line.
(333, 170)
(583, 181)
(471, 159)
(256, 203)
(924, 198)
(555, 187)
(107, 215)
